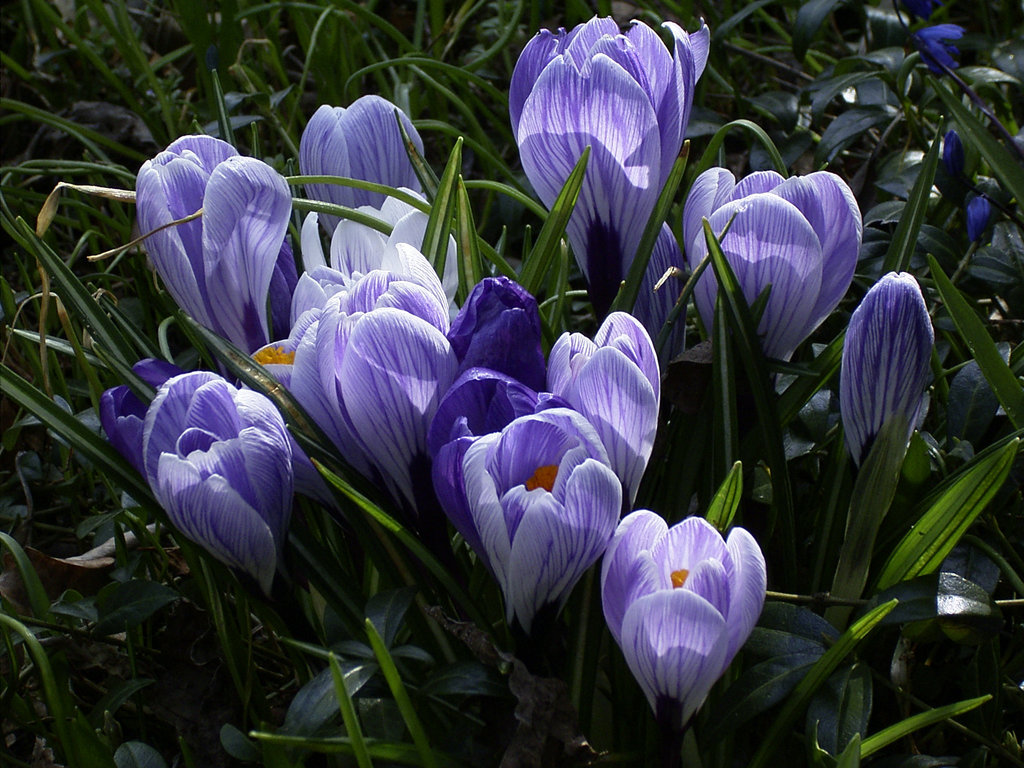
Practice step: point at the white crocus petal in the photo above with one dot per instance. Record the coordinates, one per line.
(750, 581)
(312, 246)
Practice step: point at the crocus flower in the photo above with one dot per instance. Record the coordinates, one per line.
(499, 328)
(800, 235)
(221, 267)
(933, 43)
(680, 602)
(885, 361)
(357, 248)
(628, 98)
(979, 211)
(122, 413)
(540, 502)
(953, 153)
(615, 383)
(360, 142)
(370, 367)
(219, 461)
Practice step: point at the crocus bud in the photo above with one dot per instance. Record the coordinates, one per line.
(219, 461)
(953, 153)
(499, 328)
(223, 266)
(979, 211)
(360, 142)
(680, 602)
(539, 503)
(800, 235)
(885, 361)
(614, 381)
(627, 97)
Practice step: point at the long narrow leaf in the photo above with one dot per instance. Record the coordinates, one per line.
(439, 224)
(544, 251)
(926, 545)
(1005, 385)
(904, 239)
(471, 270)
(904, 728)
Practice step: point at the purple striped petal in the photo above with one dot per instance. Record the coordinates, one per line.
(394, 371)
(538, 53)
(628, 572)
(749, 582)
(709, 192)
(674, 644)
(245, 217)
(885, 363)
(652, 306)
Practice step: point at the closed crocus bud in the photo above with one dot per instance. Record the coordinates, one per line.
(615, 383)
(219, 461)
(221, 267)
(800, 235)
(627, 97)
(979, 211)
(953, 153)
(680, 602)
(359, 142)
(885, 361)
(122, 413)
(499, 328)
(539, 503)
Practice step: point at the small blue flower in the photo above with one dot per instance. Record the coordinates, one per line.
(921, 8)
(953, 153)
(934, 46)
(979, 211)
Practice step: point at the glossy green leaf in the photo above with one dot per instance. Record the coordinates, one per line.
(818, 674)
(938, 530)
(809, 21)
(726, 500)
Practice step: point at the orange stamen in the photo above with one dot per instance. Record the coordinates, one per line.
(274, 356)
(679, 578)
(543, 477)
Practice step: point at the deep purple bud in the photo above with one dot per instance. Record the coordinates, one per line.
(933, 43)
(921, 8)
(979, 210)
(499, 328)
(953, 153)
(122, 412)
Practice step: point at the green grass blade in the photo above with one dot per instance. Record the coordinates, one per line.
(924, 547)
(725, 433)
(904, 239)
(545, 250)
(439, 224)
(801, 696)
(1005, 385)
(726, 501)
(348, 715)
(91, 445)
(401, 696)
(37, 599)
(748, 347)
(626, 297)
(904, 728)
(710, 156)
(471, 269)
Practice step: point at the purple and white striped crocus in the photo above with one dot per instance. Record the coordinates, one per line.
(359, 142)
(356, 248)
(539, 503)
(799, 235)
(680, 602)
(615, 383)
(627, 97)
(219, 461)
(221, 267)
(885, 365)
(370, 367)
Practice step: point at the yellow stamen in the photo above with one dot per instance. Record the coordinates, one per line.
(543, 477)
(679, 578)
(274, 356)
